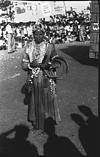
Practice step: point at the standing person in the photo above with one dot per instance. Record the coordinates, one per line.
(0, 31)
(82, 32)
(25, 35)
(13, 37)
(25, 31)
(9, 31)
(75, 28)
(29, 31)
(43, 91)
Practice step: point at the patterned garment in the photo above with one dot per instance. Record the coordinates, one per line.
(43, 99)
(36, 51)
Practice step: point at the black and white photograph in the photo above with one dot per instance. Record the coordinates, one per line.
(49, 57)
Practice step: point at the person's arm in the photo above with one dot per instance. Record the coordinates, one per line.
(25, 61)
(53, 51)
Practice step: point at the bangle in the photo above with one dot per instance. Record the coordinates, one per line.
(49, 62)
(28, 65)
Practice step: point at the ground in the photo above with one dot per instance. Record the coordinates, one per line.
(80, 86)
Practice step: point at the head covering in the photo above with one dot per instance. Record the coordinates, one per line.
(38, 28)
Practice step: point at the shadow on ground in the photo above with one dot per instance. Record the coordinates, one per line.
(18, 146)
(58, 145)
(88, 130)
(81, 54)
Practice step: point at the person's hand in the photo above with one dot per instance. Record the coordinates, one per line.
(42, 66)
(55, 66)
(34, 64)
(48, 65)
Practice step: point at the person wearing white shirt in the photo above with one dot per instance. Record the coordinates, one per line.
(18, 32)
(9, 28)
(0, 31)
(9, 31)
(29, 31)
(25, 31)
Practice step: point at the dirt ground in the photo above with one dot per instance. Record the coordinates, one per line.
(79, 87)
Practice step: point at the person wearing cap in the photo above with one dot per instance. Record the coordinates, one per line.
(37, 52)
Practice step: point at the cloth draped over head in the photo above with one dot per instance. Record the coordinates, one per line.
(38, 28)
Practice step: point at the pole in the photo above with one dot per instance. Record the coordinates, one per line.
(65, 7)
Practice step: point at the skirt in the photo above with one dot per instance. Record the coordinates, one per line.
(43, 103)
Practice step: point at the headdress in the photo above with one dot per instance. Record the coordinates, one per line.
(38, 28)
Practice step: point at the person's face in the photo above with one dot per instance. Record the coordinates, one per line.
(38, 37)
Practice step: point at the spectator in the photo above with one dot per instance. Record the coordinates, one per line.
(10, 34)
(82, 32)
(0, 31)
(29, 31)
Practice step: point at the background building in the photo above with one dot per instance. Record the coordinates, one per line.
(94, 38)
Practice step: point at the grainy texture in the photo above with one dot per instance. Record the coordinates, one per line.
(79, 87)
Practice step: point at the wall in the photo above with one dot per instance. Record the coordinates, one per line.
(94, 37)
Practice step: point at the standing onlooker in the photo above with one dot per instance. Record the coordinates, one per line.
(75, 28)
(25, 35)
(82, 32)
(9, 31)
(18, 32)
(25, 31)
(0, 31)
(29, 31)
(13, 37)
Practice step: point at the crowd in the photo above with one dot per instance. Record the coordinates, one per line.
(60, 29)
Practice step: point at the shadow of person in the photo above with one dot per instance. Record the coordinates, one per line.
(57, 145)
(18, 146)
(88, 134)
